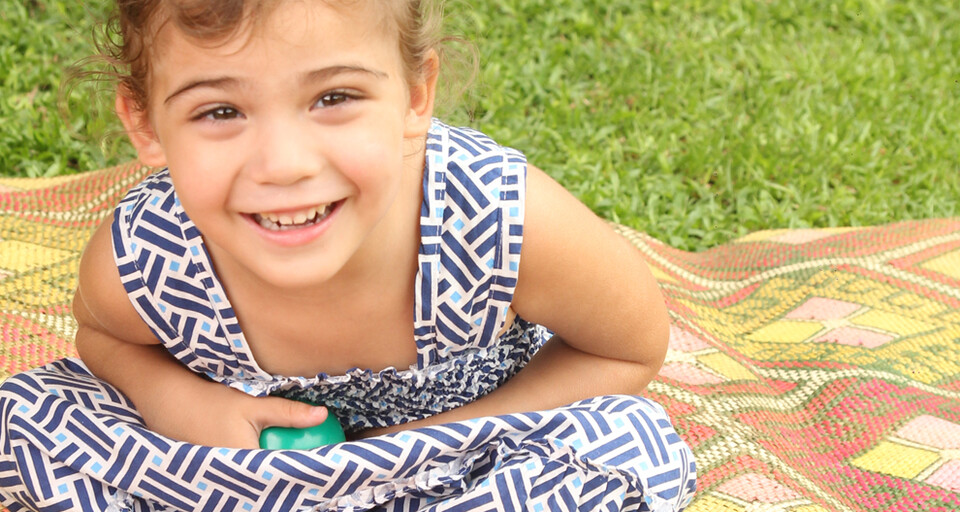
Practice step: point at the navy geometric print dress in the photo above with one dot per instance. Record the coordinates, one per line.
(72, 442)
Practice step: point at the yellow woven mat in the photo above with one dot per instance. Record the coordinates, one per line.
(810, 370)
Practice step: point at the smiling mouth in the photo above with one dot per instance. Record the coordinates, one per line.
(294, 220)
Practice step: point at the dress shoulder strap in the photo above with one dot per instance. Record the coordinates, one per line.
(169, 277)
(471, 235)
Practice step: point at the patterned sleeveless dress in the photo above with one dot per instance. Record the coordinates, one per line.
(72, 442)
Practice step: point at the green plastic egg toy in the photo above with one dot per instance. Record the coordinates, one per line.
(284, 438)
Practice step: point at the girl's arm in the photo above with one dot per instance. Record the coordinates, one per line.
(592, 288)
(587, 283)
(118, 347)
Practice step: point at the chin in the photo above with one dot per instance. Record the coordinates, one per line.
(292, 279)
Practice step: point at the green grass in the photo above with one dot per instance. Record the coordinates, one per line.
(38, 41)
(694, 121)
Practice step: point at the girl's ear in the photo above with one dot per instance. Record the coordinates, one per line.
(141, 134)
(422, 96)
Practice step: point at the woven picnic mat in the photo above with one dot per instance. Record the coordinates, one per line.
(809, 370)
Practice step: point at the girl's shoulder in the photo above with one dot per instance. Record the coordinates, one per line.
(101, 302)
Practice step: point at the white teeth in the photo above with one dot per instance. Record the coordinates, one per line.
(277, 222)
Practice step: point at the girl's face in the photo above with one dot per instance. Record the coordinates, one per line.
(288, 147)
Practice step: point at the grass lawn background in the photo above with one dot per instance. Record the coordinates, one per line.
(693, 120)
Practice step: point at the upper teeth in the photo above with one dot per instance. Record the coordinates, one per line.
(289, 219)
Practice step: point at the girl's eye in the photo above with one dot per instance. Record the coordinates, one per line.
(332, 99)
(221, 114)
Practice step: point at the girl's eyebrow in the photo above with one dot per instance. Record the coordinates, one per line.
(311, 76)
(216, 83)
(331, 71)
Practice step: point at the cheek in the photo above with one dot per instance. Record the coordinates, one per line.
(200, 190)
(374, 163)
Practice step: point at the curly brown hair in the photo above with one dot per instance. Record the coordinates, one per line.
(126, 38)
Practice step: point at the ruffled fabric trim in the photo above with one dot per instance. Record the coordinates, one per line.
(367, 399)
(456, 477)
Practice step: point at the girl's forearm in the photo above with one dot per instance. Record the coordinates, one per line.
(152, 379)
(181, 405)
(558, 375)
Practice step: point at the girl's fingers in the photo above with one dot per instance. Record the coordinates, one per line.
(280, 412)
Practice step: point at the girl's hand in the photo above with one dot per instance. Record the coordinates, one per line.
(216, 415)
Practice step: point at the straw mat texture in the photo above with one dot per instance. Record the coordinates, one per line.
(810, 370)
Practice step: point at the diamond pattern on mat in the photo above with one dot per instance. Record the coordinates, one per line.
(927, 447)
(932, 431)
(947, 264)
(13, 255)
(692, 360)
(896, 459)
(822, 309)
(826, 320)
(856, 337)
(753, 487)
(947, 476)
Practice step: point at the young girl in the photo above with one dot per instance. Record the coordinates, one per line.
(316, 236)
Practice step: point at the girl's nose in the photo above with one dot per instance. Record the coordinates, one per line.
(285, 156)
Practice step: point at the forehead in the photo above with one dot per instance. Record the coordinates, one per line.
(280, 20)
